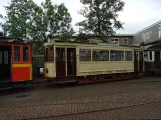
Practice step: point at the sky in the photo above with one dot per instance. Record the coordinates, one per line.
(137, 14)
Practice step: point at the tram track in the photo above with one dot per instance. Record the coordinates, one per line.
(90, 100)
(93, 111)
(78, 103)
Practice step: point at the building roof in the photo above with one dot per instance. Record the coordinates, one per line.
(119, 35)
(148, 27)
(123, 35)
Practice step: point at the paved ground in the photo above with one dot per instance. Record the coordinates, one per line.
(134, 99)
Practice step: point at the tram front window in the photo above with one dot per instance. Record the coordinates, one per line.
(17, 53)
(25, 54)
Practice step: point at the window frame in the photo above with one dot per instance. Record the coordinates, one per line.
(114, 40)
(50, 53)
(84, 56)
(107, 51)
(20, 57)
(23, 53)
(60, 54)
(127, 57)
(126, 41)
(150, 55)
(47, 53)
(5, 57)
(116, 55)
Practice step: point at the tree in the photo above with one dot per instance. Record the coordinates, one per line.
(57, 20)
(23, 20)
(63, 16)
(26, 20)
(101, 16)
(17, 18)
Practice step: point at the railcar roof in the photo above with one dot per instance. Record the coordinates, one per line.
(14, 43)
(75, 43)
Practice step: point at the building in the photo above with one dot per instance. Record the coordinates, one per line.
(150, 39)
(122, 39)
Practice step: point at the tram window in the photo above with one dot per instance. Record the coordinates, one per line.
(5, 57)
(60, 54)
(0, 57)
(16, 53)
(25, 54)
(150, 55)
(100, 55)
(116, 55)
(128, 55)
(46, 54)
(85, 55)
(51, 54)
(141, 55)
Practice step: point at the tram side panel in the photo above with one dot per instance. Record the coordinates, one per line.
(91, 69)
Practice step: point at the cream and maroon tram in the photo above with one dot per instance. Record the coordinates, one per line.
(87, 63)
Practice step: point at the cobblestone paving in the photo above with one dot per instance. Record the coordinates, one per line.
(135, 99)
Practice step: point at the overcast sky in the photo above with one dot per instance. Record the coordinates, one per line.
(137, 14)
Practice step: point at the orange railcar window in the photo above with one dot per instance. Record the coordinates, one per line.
(25, 54)
(17, 53)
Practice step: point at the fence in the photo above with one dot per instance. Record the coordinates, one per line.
(37, 62)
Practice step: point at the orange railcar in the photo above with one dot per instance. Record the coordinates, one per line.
(15, 63)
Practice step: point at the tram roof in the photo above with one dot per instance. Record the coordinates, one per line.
(11, 40)
(52, 42)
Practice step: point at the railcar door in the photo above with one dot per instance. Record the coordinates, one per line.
(60, 62)
(141, 61)
(71, 62)
(157, 62)
(21, 62)
(136, 61)
(5, 63)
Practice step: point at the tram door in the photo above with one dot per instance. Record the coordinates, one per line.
(141, 61)
(60, 62)
(71, 62)
(5, 63)
(157, 61)
(136, 61)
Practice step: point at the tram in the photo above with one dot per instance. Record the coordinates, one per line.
(15, 62)
(85, 63)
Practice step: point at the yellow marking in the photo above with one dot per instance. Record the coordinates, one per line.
(21, 65)
(24, 65)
